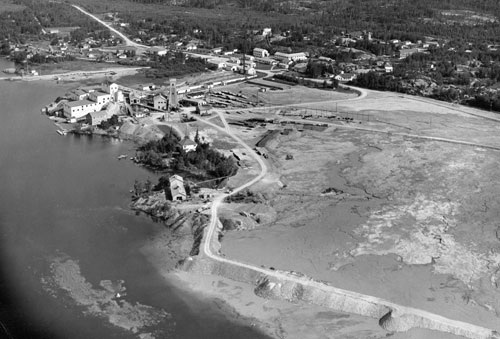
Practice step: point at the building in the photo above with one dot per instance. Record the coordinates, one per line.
(78, 94)
(216, 50)
(191, 46)
(157, 50)
(100, 97)
(110, 88)
(267, 32)
(95, 118)
(388, 67)
(177, 189)
(160, 102)
(289, 57)
(219, 62)
(203, 110)
(345, 77)
(173, 101)
(188, 145)
(406, 52)
(260, 53)
(147, 87)
(80, 108)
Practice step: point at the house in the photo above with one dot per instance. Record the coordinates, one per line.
(216, 50)
(345, 77)
(203, 110)
(388, 67)
(188, 145)
(267, 32)
(260, 53)
(191, 46)
(95, 118)
(100, 97)
(160, 102)
(79, 109)
(157, 50)
(177, 189)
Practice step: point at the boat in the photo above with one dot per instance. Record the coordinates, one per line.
(123, 156)
(62, 132)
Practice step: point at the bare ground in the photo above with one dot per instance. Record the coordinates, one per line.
(411, 221)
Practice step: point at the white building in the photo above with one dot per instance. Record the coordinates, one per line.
(188, 145)
(267, 32)
(80, 108)
(177, 188)
(160, 51)
(289, 57)
(260, 53)
(78, 94)
(100, 97)
(219, 62)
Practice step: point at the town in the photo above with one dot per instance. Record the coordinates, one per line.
(336, 155)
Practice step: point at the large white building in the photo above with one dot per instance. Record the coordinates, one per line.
(80, 108)
(100, 97)
(260, 53)
(288, 57)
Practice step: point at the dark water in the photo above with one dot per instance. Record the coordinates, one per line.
(67, 196)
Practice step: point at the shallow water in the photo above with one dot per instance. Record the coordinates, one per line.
(64, 199)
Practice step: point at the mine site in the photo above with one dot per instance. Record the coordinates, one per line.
(376, 193)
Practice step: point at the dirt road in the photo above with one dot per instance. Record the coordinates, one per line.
(126, 40)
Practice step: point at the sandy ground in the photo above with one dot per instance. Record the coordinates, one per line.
(411, 221)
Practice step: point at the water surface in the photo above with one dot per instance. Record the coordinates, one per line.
(65, 200)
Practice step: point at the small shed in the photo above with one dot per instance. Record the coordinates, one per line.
(177, 188)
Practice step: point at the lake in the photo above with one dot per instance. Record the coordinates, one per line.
(69, 243)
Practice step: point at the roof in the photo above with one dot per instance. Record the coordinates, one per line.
(79, 103)
(259, 49)
(99, 114)
(78, 91)
(160, 96)
(177, 185)
(100, 93)
(187, 142)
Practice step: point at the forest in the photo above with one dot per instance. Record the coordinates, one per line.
(170, 65)
(204, 163)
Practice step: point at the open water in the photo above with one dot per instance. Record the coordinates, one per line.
(67, 197)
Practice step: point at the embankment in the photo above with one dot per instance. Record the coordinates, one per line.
(295, 287)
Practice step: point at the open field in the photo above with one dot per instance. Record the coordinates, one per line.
(9, 6)
(408, 220)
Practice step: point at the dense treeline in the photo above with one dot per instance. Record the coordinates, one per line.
(205, 162)
(19, 25)
(170, 65)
